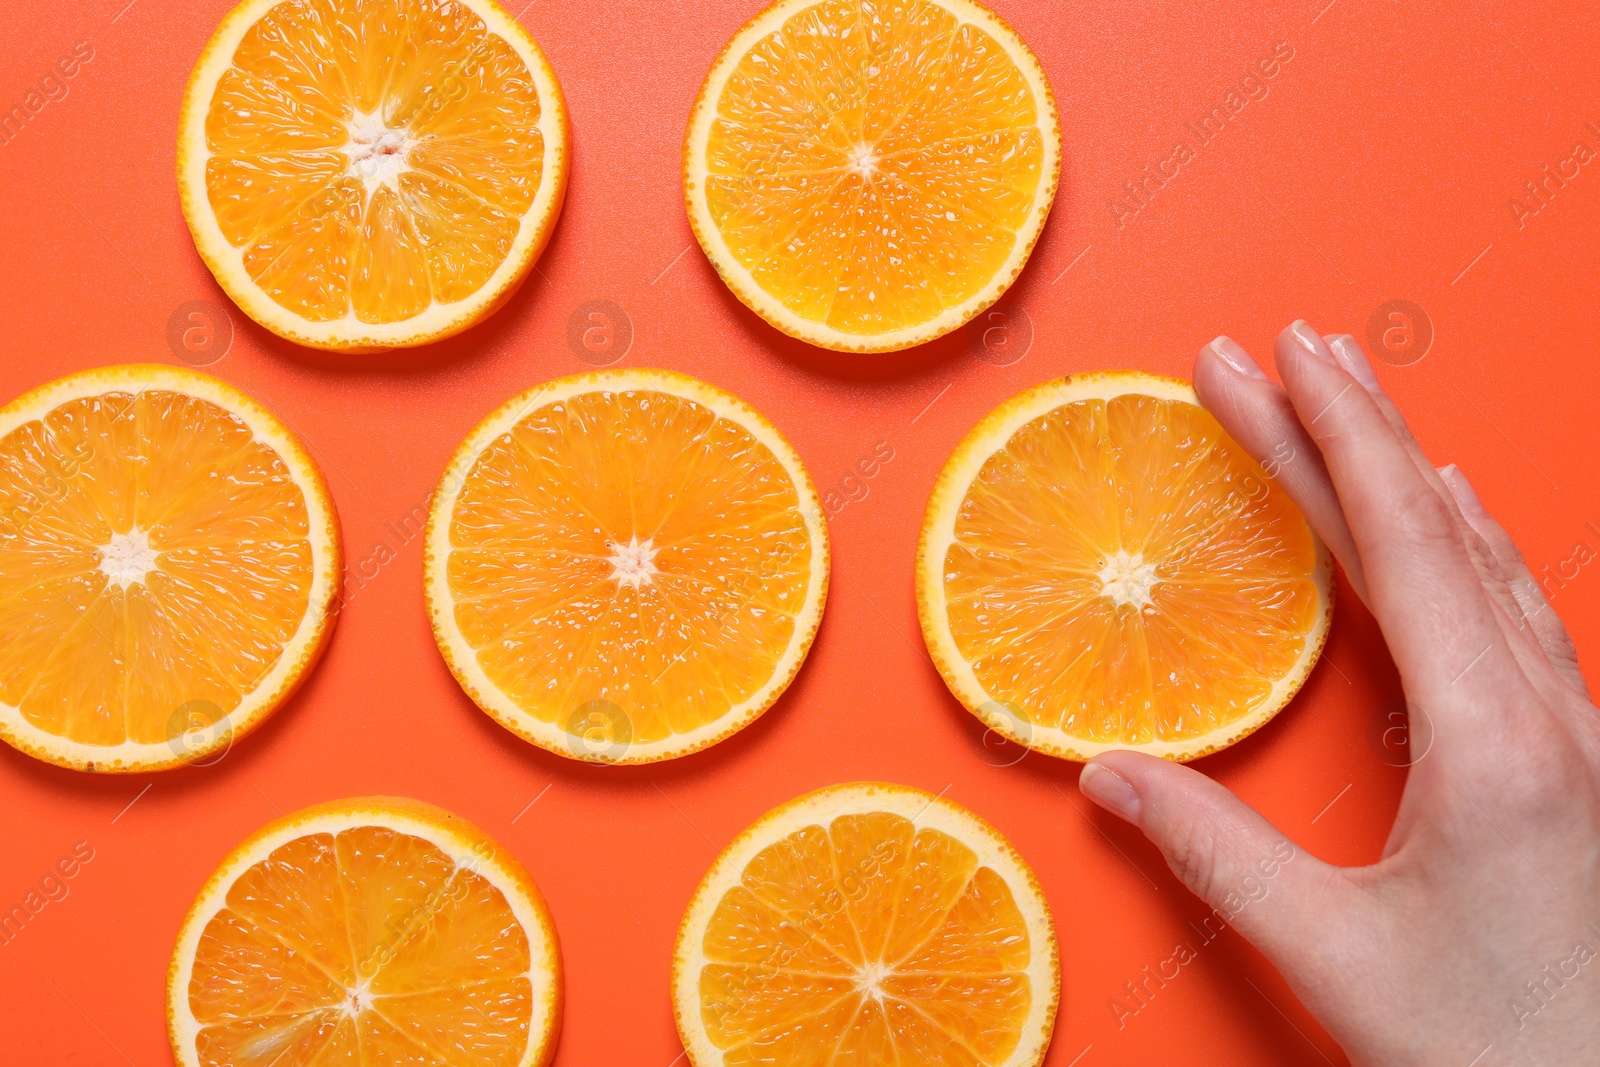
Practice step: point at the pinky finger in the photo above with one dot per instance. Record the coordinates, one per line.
(1541, 618)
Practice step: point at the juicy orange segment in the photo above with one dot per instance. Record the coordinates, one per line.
(873, 920)
(168, 558)
(625, 566)
(1103, 567)
(366, 932)
(868, 175)
(371, 173)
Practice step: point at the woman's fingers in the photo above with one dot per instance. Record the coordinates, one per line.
(1353, 360)
(1257, 413)
(1280, 897)
(1500, 567)
(1546, 625)
(1422, 583)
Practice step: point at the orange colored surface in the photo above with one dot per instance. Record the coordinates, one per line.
(1386, 162)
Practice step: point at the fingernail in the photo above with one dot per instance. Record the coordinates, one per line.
(1234, 355)
(1465, 496)
(1354, 361)
(1310, 340)
(1110, 790)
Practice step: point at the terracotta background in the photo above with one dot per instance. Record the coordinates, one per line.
(1383, 164)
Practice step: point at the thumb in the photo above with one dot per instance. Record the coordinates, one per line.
(1283, 900)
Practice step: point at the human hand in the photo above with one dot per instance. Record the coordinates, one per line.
(1475, 939)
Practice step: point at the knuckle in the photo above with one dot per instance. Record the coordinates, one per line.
(1544, 779)
(1192, 855)
(1547, 626)
(1422, 518)
(1560, 650)
(1506, 551)
(1489, 564)
(1391, 412)
(1559, 647)
(1562, 773)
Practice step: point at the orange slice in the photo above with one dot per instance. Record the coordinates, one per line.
(625, 566)
(367, 174)
(867, 924)
(1103, 567)
(867, 176)
(366, 933)
(169, 557)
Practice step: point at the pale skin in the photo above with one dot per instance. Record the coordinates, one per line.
(1490, 878)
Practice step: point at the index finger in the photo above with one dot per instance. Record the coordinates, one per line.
(1421, 582)
(1257, 413)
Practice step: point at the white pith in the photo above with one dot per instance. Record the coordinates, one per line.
(359, 998)
(1127, 579)
(127, 558)
(864, 161)
(377, 152)
(633, 564)
(869, 979)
